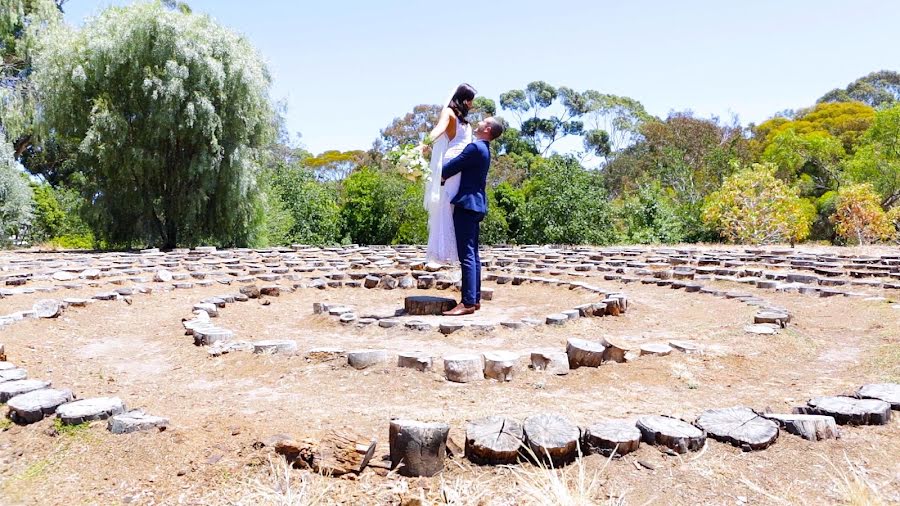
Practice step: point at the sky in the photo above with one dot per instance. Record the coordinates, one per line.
(346, 68)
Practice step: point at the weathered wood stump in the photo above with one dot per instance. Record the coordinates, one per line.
(338, 453)
(47, 308)
(553, 362)
(33, 406)
(418, 448)
(612, 437)
(556, 319)
(552, 438)
(494, 440)
(419, 305)
(361, 359)
(86, 410)
(887, 392)
(615, 351)
(612, 307)
(251, 291)
(463, 367)
(134, 421)
(500, 365)
(10, 389)
(659, 349)
(280, 346)
(810, 427)
(673, 433)
(741, 427)
(417, 360)
(583, 353)
(773, 317)
(849, 411)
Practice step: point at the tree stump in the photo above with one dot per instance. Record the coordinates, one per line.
(418, 448)
(553, 362)
(281, 346)
(10, 389)
(361, 359)
(584, 353)
(673, 433)
(809, 427)
(500, 365)
(684, 346)
(337, 454)
(448, 328)
(47, 308)
(251, 291)
(556, 319)
(614, 352)
(162, 276)
(741, 427)
(552, 438)
(612, 437)
(463, 368)
(416, 360)
(33, 406)
(887, 392)
(773, 317)
(420, 305)
(612, 307)
(494, 440)
(86, 410)
(849, 411)
(659, 349)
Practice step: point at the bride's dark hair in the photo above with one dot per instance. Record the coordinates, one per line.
(458, 105)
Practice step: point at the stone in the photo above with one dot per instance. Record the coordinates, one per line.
(205, 335)
(251, 291)
(136, 420)
(10, 389)
(33, 406)
(86, 410)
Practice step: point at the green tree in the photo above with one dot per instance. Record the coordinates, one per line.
(755, 207)
(878, 89)
(169, 133)
(614, 122)
(566, 204)
(648, 216)
(369, 210)
(57, 218)
(334, 165)
(846, 121)
(858, 217)
(510, 201)
(312, 212)
(877, 160)
(540, 130)
(814, 157)
(16, 200)
(410, 128)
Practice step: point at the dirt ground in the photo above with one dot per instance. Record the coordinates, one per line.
(222, 408)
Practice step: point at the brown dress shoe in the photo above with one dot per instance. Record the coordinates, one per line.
(460, 310)
(477, 306)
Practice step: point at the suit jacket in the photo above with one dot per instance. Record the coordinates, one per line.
(473, 164)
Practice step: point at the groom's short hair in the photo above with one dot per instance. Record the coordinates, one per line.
(496, 127)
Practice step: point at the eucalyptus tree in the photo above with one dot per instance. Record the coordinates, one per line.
(169, 111)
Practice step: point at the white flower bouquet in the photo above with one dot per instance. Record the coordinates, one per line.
(410, 162)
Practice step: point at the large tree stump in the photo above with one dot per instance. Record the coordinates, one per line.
(615, 351)
(552, 438)
(849, 411)
(418, 448)
(362, 359)
(810, 427)
(500, 365)
(741, 427)
(494, 440)
(673, 433)
(339, 453)
(553, 362)
(463, 367)
(419, 305)
(417, 360)
(584, 353)
(887, 392)
(612, 437)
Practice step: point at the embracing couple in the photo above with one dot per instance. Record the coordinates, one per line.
(455, 196)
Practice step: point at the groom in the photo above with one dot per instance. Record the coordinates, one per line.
(469, 208)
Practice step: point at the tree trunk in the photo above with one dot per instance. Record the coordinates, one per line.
(418, 448)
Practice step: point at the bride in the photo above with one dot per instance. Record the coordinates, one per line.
(449, 137)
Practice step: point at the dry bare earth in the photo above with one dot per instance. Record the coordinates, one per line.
(220, 407)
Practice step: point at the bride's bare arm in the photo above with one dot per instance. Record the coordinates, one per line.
(441, 127)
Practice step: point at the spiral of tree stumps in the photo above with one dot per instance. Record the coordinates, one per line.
(418, 448)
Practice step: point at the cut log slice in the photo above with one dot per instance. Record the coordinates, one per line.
(849, 411)
(810, 427)
(659, 349)
(615, 351)
(887, 392)
(463, 368)
(33, 406)
(86, 410)
(16, 373)
(418, 448)
(741, 427)
(450, 327)
(672, 433)
(685, 346)
(134, 421)
(281, 346)
(10, 389)
(494, 440)
(420, 305)
(362, 359)
(205, 335)
(556, 319)
(552, 438)
(47, 308)
(612, 437)
(419, 361)
(552, 362)
(500, 365)
(774, 317)
(338, 453)
(761, 329)
(583, 353)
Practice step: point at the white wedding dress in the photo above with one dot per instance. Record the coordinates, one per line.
(441, 235)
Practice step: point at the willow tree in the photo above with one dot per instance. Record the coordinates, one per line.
(15, 195)
(168, 110)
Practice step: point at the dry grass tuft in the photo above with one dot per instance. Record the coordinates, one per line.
(280, 485)
(853, 485)
(571, 486)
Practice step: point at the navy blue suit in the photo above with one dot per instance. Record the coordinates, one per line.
(469, 208)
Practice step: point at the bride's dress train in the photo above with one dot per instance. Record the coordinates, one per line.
(441, 234)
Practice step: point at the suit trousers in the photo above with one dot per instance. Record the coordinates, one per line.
(467, 224)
